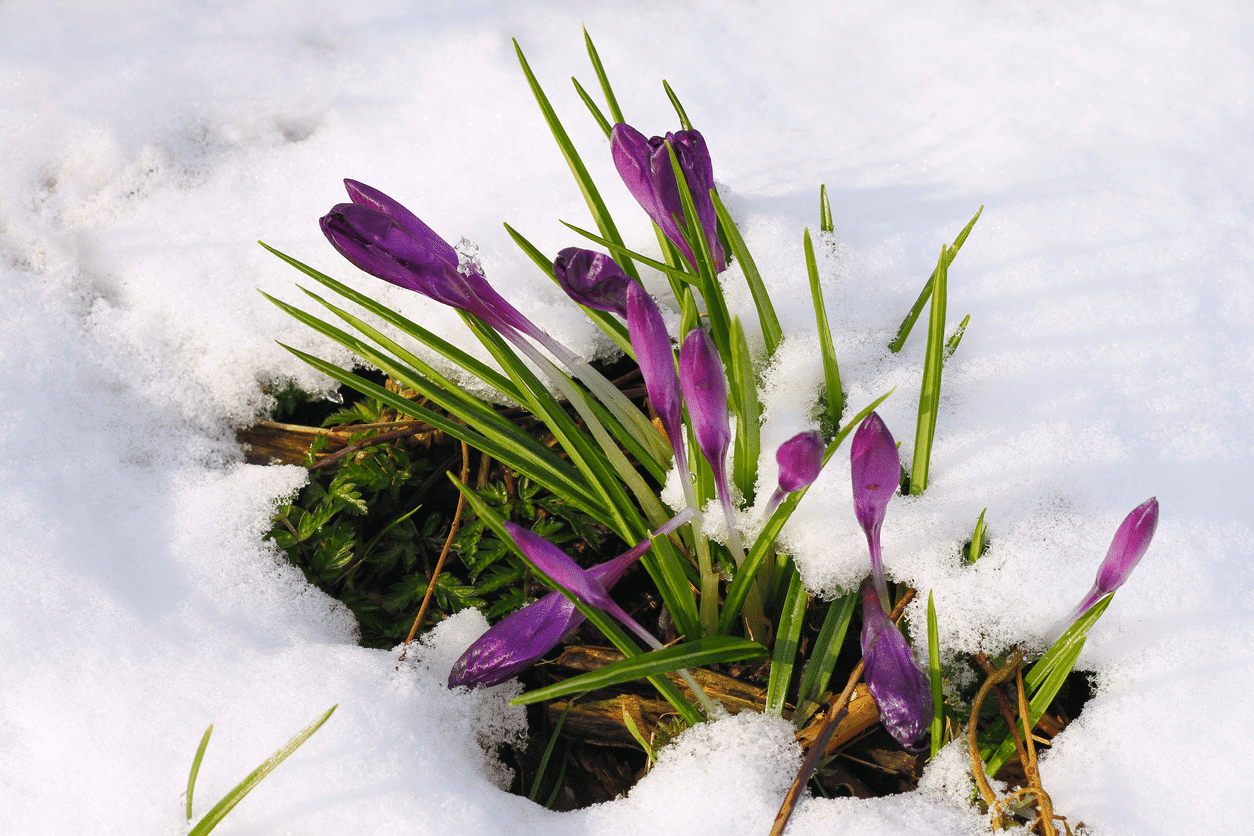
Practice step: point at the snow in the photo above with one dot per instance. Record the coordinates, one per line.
(148, 146)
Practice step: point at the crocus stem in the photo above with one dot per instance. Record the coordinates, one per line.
(651, 640)
(632, 419)
(644, 495)
(705, 564)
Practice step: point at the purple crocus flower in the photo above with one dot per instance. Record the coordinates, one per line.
(800, 459)
(592, 279)
(704, 384)
(1126, 550)
(900, 689)
(521, 639)
(876, 471)
(652, 344)
(645, 166)
(382, 237)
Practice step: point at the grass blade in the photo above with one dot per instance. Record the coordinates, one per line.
(548, 752)
(679, 108)
(835, 395)
(934, 673)
(929, 393)
(235, 796)
(822, 660)
(711, 650)
(600, 214)
(826, 224)
(602, 78)
(606, 127)
(191, 776)
(787, 637)
(744, 393)
(772, 334)
(907, 324)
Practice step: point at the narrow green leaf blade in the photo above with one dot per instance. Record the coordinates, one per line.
(191, 776)
(830, 419)
(235, 796)
(772, 333)
(711, 650)
(929, 392)
(787, 638)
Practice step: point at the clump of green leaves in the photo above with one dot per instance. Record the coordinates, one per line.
(368, 529)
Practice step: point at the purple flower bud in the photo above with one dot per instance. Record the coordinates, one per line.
(520, 640)
(592, 279)
(876, 471)
(900, 689)
(705, 391)
(645, 166)
(652, 344)
(385, 239)
(1126, 550)
(800, 459)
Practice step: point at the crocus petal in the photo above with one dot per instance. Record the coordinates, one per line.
(652, 344)
(705, 391)
(645, 166)
(1131, 541)
(876, 471)
(900, 689)
(592, 279)
(559, 566)
(800, 459)
(382, 237)
(521, 639)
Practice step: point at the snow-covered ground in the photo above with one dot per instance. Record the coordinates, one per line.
(146, 146)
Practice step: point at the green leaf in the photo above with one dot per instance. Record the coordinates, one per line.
(826, 224)
(772, 334)
(744, 395)
(908, 323)
(823, 657)
(976, 547)
(934, 673)
(712, 650)
(604, 80)
(228, 802)
(191, 776)
(835, 394)
(679, 108)
(929, 393)
(592, 197)
(604, 123)
(1043, 681)
(787, 638)
(952, 345)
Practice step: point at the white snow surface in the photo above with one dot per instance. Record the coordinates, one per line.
(146, 146)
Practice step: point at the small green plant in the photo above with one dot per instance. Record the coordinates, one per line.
(214, 817)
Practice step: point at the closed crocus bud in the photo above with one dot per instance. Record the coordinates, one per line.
(652, 344)
(592, 279)
(645, 166)
(800, 459)
(1131, 541)
(382, 237)
(876, 473)
(520, 640)
(900, 689)
(705, 391)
